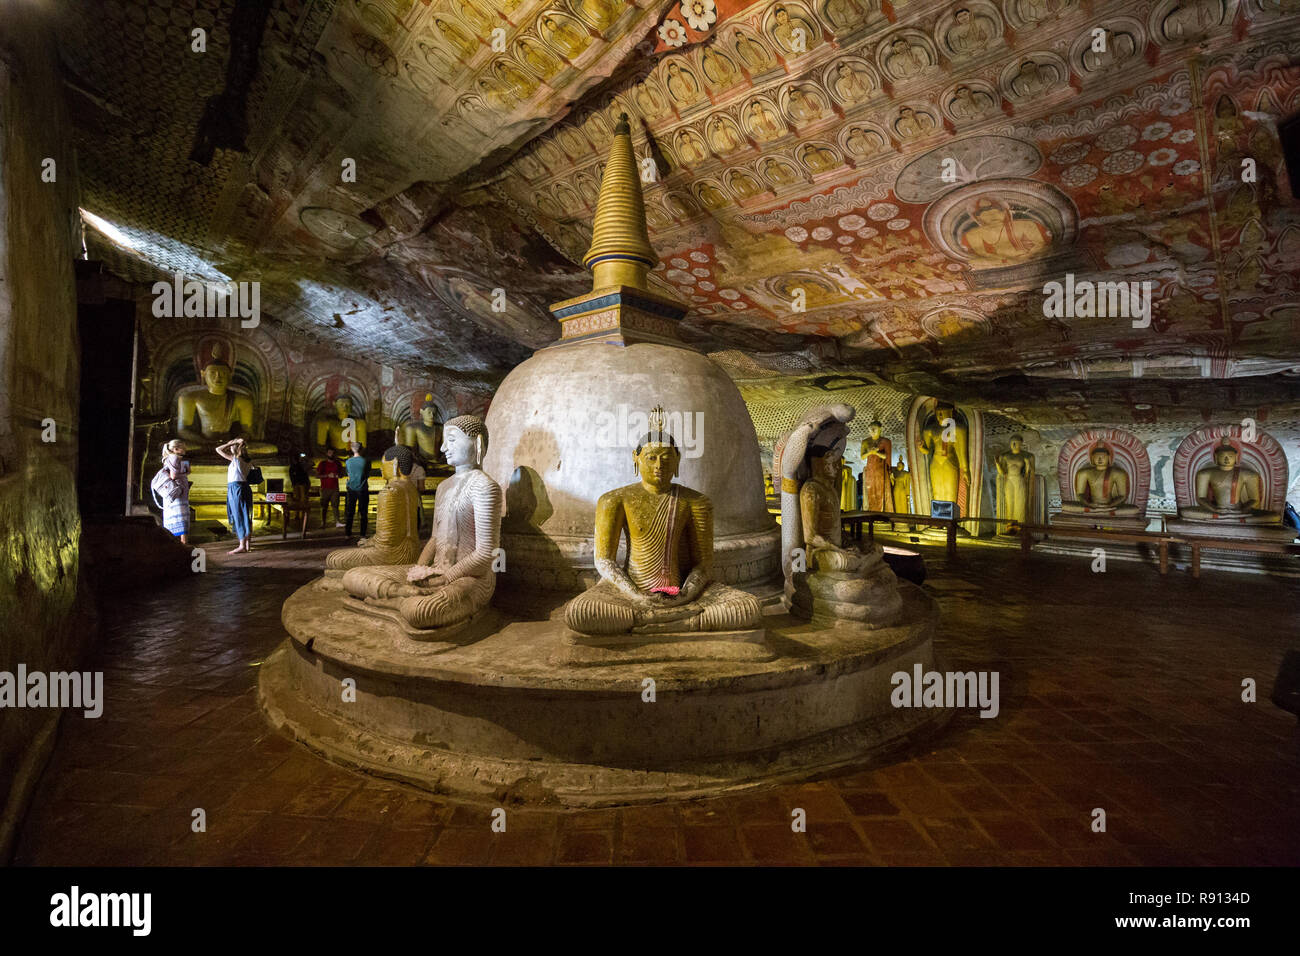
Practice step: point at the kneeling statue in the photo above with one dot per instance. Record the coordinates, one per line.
(823, 580)
(666, 589)
(1227, 491)
(453, 580)
(397, 536)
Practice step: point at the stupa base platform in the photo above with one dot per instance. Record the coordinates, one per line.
(515, 717)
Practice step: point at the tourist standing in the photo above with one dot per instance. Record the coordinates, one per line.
(175, 500)
(328, 471)
(358, 469)
(239, 493)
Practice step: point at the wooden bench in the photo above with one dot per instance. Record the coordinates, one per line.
(854, 520)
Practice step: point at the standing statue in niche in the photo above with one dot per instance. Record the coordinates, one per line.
(945, 443)
(1015, 484)
(848, 488)
(900, 484)
(666, 585)
(825, 581)
(1101, 487)
(339, 430)
(453, 580)
(215, 412)
(1229, 491)
(876, 452)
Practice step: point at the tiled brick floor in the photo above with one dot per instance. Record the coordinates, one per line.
(1120, 691)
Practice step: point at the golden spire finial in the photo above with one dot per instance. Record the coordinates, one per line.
(620, 252)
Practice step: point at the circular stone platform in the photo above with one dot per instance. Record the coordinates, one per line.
(512, 717)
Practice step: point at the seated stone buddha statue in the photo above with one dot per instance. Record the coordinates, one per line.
(1101, 487)
(425, 435)
(828, 582)
(666, 585)
(211, 414)
(452, 581)
(1227, 491)
(397, 536)
(340, 429)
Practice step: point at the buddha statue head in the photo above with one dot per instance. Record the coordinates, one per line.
(827, 451)
(428, 411)
(397, 461)
(217, 374)
(343, 406)
(1226, 454)
(464, 441)
(873, 429)
(657, 457)
(1016, 442)
(1100, 456)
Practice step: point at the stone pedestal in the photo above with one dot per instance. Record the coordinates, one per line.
(514, 716)
(1228, 528)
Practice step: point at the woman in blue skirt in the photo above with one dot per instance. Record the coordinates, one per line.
(239, 494)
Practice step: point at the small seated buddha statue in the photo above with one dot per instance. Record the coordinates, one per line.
(1228, 491)
(828, 582)
(397, 536)
(1101, 487)
(425, 436)
(666, 586)
(452, 581)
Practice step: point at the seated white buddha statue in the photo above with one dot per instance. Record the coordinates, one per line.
(1228, 491)
(828, 582)
(453, 579)
(1101, 487)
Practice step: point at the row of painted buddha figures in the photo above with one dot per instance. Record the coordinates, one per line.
(664, 585)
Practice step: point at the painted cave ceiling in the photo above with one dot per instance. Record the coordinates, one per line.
(912, 175)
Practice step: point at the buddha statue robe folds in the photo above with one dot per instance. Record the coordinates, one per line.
(1227, 491)
(664, 591)
(397, 536)
(824, 580)
(453, 579)
(1101, 487)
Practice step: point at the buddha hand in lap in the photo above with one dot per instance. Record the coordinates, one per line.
(453, 579)
(670, 531)
(1226, 491)
(397, 536)
(1101, 487)
(834, 582)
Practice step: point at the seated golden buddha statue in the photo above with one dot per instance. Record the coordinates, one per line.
(397, 532)
(1227, 491)
(340, 430)
(425, 436)
(215, 412)
(828, 582)
(666, 586)
(452, 581)
(1101, 487)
